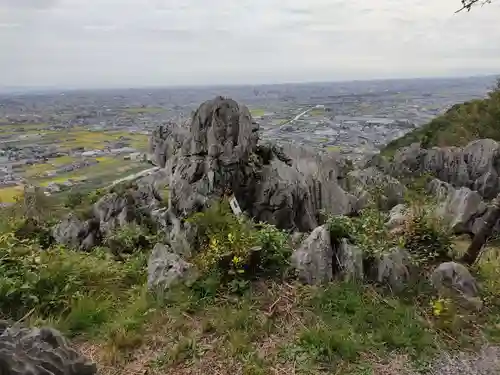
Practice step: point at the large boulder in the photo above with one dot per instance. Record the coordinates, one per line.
(459, 208)
(454, 280)
(313, 260)
(166, 269)
(39, 351)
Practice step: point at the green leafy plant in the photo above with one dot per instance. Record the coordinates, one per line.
(425, 238)
(237, 248)
(129, 238)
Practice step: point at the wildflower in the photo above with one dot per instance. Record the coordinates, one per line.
(214, 244)
(438, 307)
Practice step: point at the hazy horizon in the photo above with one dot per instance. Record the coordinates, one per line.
(48, 89)
(145, 43)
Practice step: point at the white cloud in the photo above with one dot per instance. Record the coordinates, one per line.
(144, 42)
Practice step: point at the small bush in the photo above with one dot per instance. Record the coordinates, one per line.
(235, 249)
(51, 281)
(74, 199)
(128, 239)
(425, 238)
(368, 231)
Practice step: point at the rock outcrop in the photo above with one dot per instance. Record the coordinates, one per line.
(320, 258)
(394, 269)
(77, 234)
(313, 260)
(123, 205)
(454, 280)
(459, 208)
(218, 153)
(475, 166)
(372, 181)
(165, 269)
(44, 351)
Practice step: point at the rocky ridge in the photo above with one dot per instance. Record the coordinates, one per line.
(218, 154)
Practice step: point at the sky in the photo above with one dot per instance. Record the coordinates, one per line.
(137, 43)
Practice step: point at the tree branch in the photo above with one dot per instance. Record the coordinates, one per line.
(468, 4)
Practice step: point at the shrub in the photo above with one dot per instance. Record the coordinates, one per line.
(367, 231)
(276, 250)
(51, 281)
(74, 199)
(235, 250)
(425, 238)
(128, 239)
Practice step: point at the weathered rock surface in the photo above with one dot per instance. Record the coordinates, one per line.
(218, 153)
(313, 260)
(391, 192)
(394, 268)
(397, 216)
(44, 351)
(115, 209)
(77, 234)
(166, 269)
(349, 260)
(454, 279)
(459, 208)
(475, 166)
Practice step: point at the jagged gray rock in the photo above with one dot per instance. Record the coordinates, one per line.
(363, 181)
(397, 216)
(349, 259)
(67, 231)
(459, 208)
(39, 351)
(394, 269)
(218, 152)
(475, 166)
(166, 269)
(313, 260)
(454, 279)
(77, 234)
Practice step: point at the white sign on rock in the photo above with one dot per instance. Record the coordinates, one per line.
(233, 202)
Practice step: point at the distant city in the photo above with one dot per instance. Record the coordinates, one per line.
(61, 139)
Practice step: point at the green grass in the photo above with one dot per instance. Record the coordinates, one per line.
(271, 325)
(9, 194)
(258, 112)
(317, 112)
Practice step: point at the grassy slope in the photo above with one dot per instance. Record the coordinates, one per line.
(274, 327)
(458, 126)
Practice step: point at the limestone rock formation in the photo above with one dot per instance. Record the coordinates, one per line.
(398, 215)
(394, 269)
(218, 153)
(349, 259)
(126, 205)
(475, 166)
(39, 351)
(166, 269)
(454, 280)
(369, 181)
(459, 208)
(313, 260)
(77, 234)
